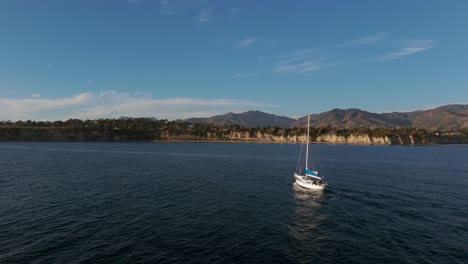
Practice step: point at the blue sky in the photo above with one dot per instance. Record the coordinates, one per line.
(174, 59)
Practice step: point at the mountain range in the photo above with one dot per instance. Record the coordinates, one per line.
(444, 117)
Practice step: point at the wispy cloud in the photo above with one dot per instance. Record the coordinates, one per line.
(367, 40)
(300, 55)
(36, 95)
(244, 75)
(111, 104)
(303, 66)
(233, 11)
(409, 47)
(205, 15)
(247, 42)
(27, 108)
(302, 61)
(319, 58)
(166, 7)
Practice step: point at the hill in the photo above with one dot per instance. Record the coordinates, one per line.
(246, 119)
(348, 118)
(444, 117)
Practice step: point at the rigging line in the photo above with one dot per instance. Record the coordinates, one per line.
(317, 156)
(318, 160)
(300, 156)
(314, 158)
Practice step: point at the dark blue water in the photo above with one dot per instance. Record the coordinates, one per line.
(230, 203)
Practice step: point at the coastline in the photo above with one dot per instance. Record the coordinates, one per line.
(236, 142)
(294, 143)
(404, 136)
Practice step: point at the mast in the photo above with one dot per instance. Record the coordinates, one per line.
(307, 146)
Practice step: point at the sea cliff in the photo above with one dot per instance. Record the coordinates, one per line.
(163, 131)
(330, 138)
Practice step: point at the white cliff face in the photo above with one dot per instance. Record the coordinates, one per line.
(401, 137)
(265, 137)
(381, 141)
(328, 138)
(353, 139)
(331, 138)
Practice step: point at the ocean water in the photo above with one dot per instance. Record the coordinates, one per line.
(231, 203)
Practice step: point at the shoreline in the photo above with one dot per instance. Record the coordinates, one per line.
(235, 142)
(297, 143)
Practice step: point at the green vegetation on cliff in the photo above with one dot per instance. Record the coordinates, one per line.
(144, 129)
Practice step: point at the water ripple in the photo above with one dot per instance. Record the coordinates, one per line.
(224, 203)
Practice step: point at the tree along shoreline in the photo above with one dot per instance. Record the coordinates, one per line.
(149, 130)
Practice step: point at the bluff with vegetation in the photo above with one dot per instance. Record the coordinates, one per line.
(143, 129)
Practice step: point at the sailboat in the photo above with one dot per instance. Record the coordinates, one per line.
(310, 179)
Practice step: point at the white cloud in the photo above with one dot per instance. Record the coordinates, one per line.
(171, 108)
(244, 75)
(167, 8)
(302, 61)
(205, 15)
(26, 108)
(303, 66)
(247, 42)
(111, 104)
(367, 40)
(316, 59)
(143, 94)
(300, 55)
(233, 11)
(168, 12)
(409, 47)
(36, 95)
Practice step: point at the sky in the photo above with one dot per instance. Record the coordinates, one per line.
(175, 59)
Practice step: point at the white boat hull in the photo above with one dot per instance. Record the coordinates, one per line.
(305, 182)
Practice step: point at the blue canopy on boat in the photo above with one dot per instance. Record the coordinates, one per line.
(312, 173)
